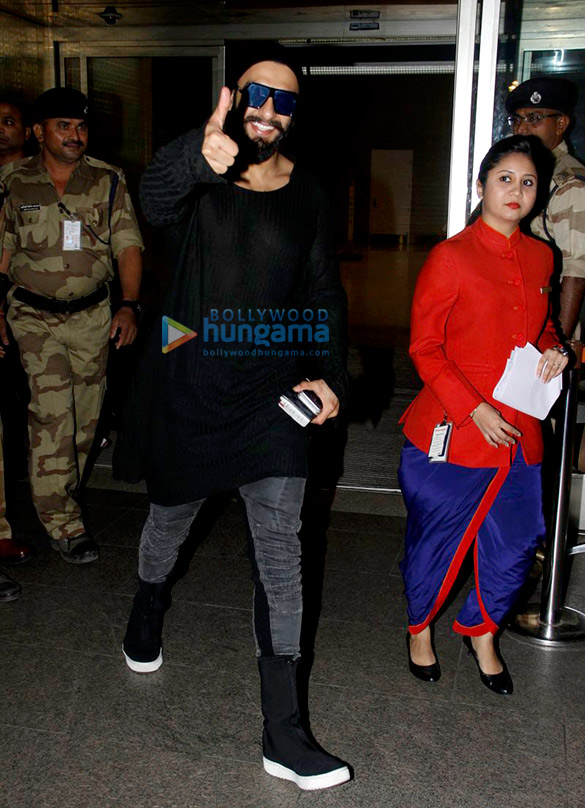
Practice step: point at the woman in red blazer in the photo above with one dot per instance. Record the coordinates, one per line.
(480, 294)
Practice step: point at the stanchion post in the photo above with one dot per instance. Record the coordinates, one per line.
(550, 622)
(551, 603)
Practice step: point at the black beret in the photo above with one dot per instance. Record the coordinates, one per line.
(60, 102)
(545, 92)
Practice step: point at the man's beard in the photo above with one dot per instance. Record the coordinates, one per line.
(252, 151)
(257, 149)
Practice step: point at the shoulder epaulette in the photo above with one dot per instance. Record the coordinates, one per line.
(14, 166)
(95, 163)
(567, 174)
(569, 169)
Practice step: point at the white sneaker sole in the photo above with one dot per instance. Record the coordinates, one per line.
(143, 667)
(311, 782)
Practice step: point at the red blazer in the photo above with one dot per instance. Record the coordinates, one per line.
(478, 295)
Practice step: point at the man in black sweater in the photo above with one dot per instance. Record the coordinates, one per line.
(256, 278)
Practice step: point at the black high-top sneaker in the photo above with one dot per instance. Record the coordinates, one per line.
(288, 752)
(143, 641)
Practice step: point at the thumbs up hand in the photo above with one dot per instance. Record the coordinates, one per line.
(218, 149)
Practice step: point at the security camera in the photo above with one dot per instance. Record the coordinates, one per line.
(110, 15)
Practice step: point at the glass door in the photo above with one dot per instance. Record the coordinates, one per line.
(500, 44)
(142, 97)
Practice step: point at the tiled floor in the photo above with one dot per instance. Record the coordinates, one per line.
(80, 730)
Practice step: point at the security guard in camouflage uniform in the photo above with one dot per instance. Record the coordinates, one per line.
(67, 217)
(544, 107)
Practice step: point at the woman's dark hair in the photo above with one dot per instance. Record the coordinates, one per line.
(532, 147)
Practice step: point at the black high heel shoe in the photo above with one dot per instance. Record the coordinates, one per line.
(426, 673)
(500, 683)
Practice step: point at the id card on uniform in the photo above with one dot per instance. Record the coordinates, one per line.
(440, 442)
(71, 235)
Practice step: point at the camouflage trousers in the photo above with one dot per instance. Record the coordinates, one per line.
(5, 532)
(64, 356)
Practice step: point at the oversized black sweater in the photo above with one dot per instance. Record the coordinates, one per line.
(204, 417)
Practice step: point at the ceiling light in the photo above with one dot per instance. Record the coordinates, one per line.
(110, 15)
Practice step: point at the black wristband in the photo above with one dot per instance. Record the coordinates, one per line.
(131, 304)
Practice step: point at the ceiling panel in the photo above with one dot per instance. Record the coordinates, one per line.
(79, 13)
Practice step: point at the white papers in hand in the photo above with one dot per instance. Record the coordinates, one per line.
(520, 388)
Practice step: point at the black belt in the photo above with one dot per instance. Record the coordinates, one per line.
(60, 306)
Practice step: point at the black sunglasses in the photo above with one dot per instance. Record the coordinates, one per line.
(284, 101)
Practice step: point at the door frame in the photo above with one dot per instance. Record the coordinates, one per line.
(86, 50)
(478, 21)
(464, 146)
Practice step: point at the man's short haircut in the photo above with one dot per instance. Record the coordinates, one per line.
(18, 101)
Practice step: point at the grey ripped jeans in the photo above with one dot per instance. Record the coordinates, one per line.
(273, 507)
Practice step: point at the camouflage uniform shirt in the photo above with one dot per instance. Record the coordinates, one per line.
(563, 220)
(34, 217)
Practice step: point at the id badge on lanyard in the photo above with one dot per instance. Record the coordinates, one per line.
(440, 440)
(71, 235)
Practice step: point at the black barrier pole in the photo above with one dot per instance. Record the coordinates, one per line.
(551, 622)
